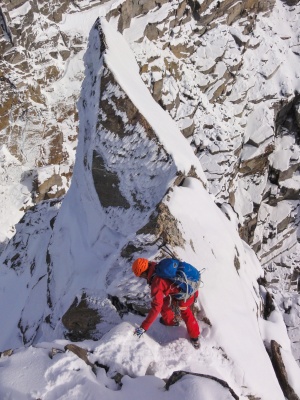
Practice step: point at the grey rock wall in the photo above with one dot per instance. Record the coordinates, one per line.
(35, 132)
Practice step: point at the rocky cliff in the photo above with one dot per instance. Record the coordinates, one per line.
(217, 80)
(222, 70)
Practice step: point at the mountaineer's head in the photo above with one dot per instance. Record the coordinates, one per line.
(140, 266)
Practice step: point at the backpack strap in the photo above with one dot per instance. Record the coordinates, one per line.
(151, 273)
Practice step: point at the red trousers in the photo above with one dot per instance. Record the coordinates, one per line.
(186, 313)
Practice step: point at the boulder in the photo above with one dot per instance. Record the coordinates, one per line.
(80, 352)
(81, 320)
(177, 375)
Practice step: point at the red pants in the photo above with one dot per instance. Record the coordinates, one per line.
(186, 313)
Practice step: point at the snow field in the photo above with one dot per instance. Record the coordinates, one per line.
(144, 361)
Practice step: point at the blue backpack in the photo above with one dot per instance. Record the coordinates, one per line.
(186, 277)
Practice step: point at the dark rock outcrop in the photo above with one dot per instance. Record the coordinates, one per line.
(81, 353)
(280, 370)
(81, 320)
(179, 374)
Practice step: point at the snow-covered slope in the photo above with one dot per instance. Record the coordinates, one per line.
(134, 185)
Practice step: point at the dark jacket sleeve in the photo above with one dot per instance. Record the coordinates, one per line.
(159, 289)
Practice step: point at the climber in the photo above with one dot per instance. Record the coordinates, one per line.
(164, 302)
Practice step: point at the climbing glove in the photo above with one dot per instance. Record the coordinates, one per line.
(139, 331)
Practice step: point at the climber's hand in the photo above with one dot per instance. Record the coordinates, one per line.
(139, 331)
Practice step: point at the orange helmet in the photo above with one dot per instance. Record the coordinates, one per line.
(139, 266)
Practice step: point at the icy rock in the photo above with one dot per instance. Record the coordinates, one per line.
(178, 375)
(6, 353)
(81, 320)
(286, 381)
(297, 114)
(125, 133)
(80, 352)
(48, 184)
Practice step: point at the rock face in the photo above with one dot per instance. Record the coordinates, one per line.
(81, 321)
(131, 132)
(120, 139)
(237, 149)
(281, 372)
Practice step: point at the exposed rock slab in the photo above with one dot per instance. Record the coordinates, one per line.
(281, 372)
(81, 320)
